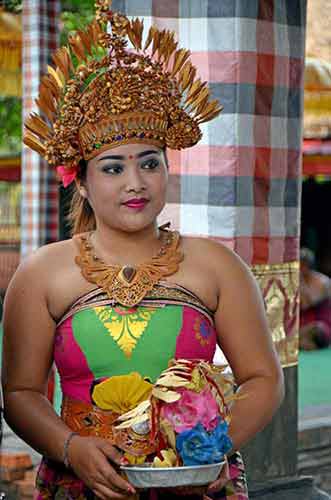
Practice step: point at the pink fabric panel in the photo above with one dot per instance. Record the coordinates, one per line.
(69, 358)
(197, 338)
(232, 161)
(229, 67)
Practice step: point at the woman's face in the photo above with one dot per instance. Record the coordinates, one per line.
(127, 186)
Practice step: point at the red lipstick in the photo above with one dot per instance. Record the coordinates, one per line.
(136, 203)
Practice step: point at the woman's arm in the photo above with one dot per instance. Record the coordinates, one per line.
(245, 339)
(27, 359)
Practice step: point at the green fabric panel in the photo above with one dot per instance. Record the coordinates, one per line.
(153, 349)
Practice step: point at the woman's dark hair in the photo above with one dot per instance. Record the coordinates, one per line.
(81, 216)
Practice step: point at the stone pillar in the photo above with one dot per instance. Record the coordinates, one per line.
(273, 453)
(271, 458)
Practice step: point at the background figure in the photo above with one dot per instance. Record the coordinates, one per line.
(315, 304)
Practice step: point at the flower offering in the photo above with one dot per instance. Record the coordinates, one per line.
(186, 415)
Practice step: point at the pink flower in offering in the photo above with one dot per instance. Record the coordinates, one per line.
(192, 408)
(67, 175)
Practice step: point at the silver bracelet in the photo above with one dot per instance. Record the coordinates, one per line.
(66, 448)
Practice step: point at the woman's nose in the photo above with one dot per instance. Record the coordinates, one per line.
(135, 179)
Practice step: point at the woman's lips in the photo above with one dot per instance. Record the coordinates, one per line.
(136, 204)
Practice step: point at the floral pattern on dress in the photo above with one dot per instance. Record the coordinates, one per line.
(236, 487)
(203, 330)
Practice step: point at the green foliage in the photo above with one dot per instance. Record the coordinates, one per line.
(75, 14)
(72, 22)
(12, 5)
(77, 6)
(11, 125)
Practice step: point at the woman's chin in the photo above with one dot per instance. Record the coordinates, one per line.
(138, 221)
(136, 224)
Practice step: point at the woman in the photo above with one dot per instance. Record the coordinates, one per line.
(124, 295)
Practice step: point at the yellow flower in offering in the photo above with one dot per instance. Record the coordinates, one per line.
(198, 381)
(169, 459)
(135, 460)
(121, 393)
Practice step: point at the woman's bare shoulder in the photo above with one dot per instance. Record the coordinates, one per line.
(55, 250)
(50, 275)
(213, 254)
(51, 257)
(40, 270)
(221, 264)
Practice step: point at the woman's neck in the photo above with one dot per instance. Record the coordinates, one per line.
(116, 246)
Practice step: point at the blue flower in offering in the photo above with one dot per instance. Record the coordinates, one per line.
(221, 438)
(199, 447)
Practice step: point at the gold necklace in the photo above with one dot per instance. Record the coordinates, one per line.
(128, 285)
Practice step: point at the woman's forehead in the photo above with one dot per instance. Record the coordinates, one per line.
(128, 151)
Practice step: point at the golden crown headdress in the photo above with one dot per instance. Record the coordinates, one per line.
(103, 93)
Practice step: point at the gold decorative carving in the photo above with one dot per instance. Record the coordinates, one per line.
(128, 285)
(279, 284)
(107, 88)
(125, 326)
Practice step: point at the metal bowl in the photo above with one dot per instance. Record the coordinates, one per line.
(146, 476)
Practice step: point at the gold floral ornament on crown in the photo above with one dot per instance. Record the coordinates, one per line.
(104, 93)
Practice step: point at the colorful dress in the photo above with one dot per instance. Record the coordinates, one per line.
(97, 339)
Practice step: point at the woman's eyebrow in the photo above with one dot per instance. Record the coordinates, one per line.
(120, 157)
(148, 152)
(112, 157)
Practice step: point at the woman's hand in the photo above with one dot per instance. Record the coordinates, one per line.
(221, 481)
(91, 460)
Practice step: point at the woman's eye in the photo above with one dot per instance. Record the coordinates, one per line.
(150, 164)
(112, 169)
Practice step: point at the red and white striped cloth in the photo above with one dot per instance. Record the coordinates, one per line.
(39, 223)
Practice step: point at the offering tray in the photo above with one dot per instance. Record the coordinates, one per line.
(146, 476)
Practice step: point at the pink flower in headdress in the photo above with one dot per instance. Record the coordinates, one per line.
(67, 175)
(191, 409)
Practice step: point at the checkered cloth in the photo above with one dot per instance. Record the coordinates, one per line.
(39, 223)
(240, 185)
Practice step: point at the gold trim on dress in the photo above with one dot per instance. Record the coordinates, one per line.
(279, 284)
(163, 294)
